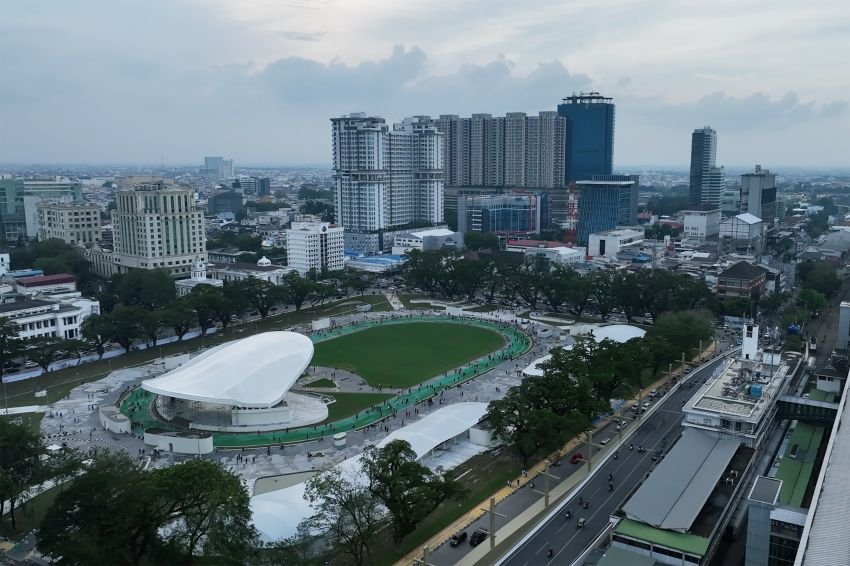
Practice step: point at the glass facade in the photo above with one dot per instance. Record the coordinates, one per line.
(590, 136)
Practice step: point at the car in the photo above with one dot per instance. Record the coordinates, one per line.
(581, 523)
(653, 394)
(479, 536)
(30, 365)
(646, 405)
(576, 458)
(604, 441)
(457, 538)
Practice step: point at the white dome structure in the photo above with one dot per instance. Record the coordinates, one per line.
(264, 262)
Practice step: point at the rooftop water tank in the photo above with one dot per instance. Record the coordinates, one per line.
(755, 390)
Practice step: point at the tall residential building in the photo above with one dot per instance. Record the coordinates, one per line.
(707, 181)
(157, 226)
(606, 202)
(506, 214)
(758, 195)
(314, 246)
(385, 179)
(589, 147)
(73, 223)
(517, 151)
(224, 202)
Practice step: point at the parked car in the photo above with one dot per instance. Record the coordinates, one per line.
(581, 523)
(457, 538)
(653, 394)
(479, 536)
(30, 364)
(646, 404)
(604, 441)
(576, 458)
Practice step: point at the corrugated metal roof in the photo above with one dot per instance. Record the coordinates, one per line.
(672, 496)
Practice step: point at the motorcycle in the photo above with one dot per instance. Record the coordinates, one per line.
(586, 504)
(610, 487)
(567, 515)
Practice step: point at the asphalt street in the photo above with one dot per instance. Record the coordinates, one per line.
(656, 432)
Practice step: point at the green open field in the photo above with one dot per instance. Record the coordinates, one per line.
(403, 355)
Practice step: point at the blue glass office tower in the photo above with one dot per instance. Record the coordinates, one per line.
(606, 202)
(589, 147)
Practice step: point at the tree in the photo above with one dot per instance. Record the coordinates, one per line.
(149, 288)
(626, 293)
(346, 513)
(150, 324)
(179, 316)
(297, 550)
(43, 350)
(475, 241)
(812, 300)
(295, 288)
(117, 513)
(126, 327)
(409, 490)
(820, 276)
(97, 330)
(73, 348)
(601, 285)
(203, 300)
(231, 305)
(260, 294)
(683, 330)
(10, 348)
(20, 452)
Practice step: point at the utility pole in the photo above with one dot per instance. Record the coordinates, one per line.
(493, 514)
(546, 475)
(424, 560)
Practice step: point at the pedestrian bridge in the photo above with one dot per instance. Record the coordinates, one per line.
(806, 410)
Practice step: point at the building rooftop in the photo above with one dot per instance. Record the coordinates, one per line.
(743, 270)
(256, 371)
(730, 392)
(620, 233)
(684, 542)
(41, 280)
(798, 462)
(748, 218)
(524, 243)
(766, 490)
(438, 232)
(245, 266)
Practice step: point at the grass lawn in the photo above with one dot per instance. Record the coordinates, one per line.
(402, 355)
(30, 515)
(349, 403)
(30, 420)
(59, 383)
(323, 382)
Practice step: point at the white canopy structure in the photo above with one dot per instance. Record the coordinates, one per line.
(618, 332)
(255, 372)
(276, 514)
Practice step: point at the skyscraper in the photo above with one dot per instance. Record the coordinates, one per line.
(589, 147)
(758, 195)
(606, 202)
(385, 179)
(707, 181)
(516, 151)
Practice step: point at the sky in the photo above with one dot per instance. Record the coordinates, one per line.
(100, 81)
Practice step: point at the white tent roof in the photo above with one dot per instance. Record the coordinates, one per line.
(618, 332)
(276, 514)
(252, 372)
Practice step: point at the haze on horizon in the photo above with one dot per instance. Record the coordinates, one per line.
(93, 81)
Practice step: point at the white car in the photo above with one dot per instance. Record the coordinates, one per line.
(646, 405)
(604, 441)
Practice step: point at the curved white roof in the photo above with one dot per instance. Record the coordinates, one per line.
(276, 514)
(618, 332)
(256, 371)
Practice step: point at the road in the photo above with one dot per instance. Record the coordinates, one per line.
(658, 430)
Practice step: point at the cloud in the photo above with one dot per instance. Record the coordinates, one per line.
(302, 35)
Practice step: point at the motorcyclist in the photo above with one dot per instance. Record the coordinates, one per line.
(610, 486)
(551, 552)
(568, 514)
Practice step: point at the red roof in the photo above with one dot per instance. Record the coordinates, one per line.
(43, 280)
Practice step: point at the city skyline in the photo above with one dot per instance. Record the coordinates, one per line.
(276, 68)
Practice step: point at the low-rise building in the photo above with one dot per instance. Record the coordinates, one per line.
(199, 277)
(562, 255)
(743, 279)
(611, 242)
(240, 271)
(73, 223)
(702, 224)
(46, 284)
(426, 240)
(742, 233)
(37, 317)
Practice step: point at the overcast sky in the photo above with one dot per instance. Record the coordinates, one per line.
(88, 81)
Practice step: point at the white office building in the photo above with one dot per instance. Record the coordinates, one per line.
(158, 226)
(609, 244)
(36, 317)
(702, 224)
(73, 223)
(315, 246)
(742, 233)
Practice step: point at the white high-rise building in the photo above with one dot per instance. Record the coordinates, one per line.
(758, 195)
(515, 148)
(385, 179)
(158, 226)
(314, 245)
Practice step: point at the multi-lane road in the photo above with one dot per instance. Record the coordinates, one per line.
(655, 431)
